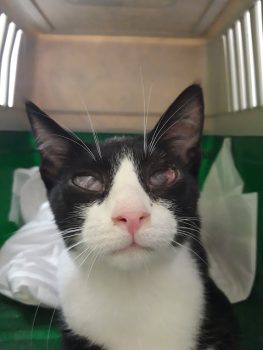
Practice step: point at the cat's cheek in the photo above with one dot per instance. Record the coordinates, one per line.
(162, 229)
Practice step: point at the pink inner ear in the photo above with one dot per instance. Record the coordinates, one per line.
(184, 138)
(187, 148)
(180, 127)
(183, 129)
(54, 152)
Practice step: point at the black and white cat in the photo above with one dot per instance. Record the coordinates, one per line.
(136, 274)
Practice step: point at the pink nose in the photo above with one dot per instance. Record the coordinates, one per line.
(131, 220)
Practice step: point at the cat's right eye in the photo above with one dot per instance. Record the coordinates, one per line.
(88, 183)
(163, 178)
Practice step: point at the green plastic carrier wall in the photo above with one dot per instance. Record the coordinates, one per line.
(25, 327)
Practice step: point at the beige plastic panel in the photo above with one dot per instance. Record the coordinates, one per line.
(25, 70)
(215, 78)
(105, 72)
(60, 72)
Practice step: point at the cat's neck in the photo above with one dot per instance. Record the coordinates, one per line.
(133, 301)
(171, 262)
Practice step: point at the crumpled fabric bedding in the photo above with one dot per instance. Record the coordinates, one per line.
(29, 258)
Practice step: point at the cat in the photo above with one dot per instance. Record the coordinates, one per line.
(135, 275)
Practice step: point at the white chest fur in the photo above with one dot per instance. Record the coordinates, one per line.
(156, 308)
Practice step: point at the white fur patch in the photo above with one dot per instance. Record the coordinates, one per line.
(159, 307)
(136, 299)
(102, 236)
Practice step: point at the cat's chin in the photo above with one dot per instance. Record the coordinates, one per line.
(134, 257)
(133, 247)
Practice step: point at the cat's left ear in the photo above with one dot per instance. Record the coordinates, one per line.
(180, 128)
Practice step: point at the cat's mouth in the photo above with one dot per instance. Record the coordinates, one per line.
(133, 247)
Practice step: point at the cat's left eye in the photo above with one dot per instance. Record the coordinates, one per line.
(163, 178)
(88, 183)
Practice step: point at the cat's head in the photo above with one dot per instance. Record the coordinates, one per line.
(126, 201)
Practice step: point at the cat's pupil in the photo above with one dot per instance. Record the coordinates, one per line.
(162, 178)
(89, 183)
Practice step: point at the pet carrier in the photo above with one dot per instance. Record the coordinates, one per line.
(113, 62)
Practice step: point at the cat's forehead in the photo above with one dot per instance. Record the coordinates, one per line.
(117, 148)
(120, 144)
(114, 150)
(118, 140)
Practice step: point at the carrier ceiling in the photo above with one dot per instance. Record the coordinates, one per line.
(170, 18)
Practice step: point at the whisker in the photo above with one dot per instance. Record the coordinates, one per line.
(146, 267)
(75, 231)
(33, 325)
(75, 245)
(72, 228)
(70, 236)
(83, 143)
(71, 132)
(193, 225)
(163, 115)
(87, 256)
(192, 222)
(190, 230)
(147, 115)
(191, 250)
(49, 328)
(72, 233)
(187, 223)
(156, 137)
(160, 136)
(190, 218)
(95, 137)
(79, 255)
(190, 236)
(92, 264)
(86, 149)
(144, 110)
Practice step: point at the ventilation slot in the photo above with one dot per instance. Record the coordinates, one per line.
(243, 51)
(13, 67)
(233, 69)
(240, 65)
(227, 68)
(10, 38)
(259, 49)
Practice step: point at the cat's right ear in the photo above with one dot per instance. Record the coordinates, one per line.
(179, 130)
(54, 143)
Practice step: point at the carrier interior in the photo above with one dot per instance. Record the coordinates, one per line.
(85, 54)
(116, 60)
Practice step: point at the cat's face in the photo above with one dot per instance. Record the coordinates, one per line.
(127, 201)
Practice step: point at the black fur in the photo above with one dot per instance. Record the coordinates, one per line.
(74, 342)
(177, 145)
